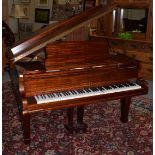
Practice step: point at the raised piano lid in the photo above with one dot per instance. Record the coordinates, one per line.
(52, 33)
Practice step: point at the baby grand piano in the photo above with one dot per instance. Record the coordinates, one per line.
(72, 74)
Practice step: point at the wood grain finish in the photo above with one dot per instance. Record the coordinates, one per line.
(74, 54)
(35, 83)
(75, 65)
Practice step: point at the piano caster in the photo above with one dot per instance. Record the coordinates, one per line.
(125, 106)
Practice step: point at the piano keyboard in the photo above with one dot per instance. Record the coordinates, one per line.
(87, 92)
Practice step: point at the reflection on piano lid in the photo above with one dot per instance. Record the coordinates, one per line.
(87, 92)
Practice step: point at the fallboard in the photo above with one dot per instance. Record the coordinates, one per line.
(44, 82)
(75, 54)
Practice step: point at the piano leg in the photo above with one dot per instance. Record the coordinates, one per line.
(125, 106)
(26, 127)
(81, 126)
(70, 126)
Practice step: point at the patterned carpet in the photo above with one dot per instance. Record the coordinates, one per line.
(106, 135)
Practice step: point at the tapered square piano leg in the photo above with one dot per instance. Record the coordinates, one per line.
(26, 127)
(125, 106)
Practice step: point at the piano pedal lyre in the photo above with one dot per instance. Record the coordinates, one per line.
(80, 126)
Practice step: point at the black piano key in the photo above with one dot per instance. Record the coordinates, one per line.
(42, 96)
(87, 90)
(114, 86)
(64, 93)
(79, 91)
(37, 97)
(132, 84)
(107, 87)
(58, 94)
(119, 85)
(74, 92)
(82, 91)
(70, 92)
(67, 93)
(125, 84)
(93, 89)
(101, 88)
(52, 95)
(98, 89)
(48, 95)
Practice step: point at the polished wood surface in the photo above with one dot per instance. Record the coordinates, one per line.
(68, 66)
(77, 65)
(75, 54)
(52, 33)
